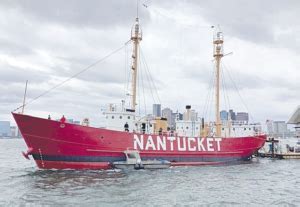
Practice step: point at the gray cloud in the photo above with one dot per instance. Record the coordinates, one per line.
(270, 22)
(19, 75)
(48, 41)
(93, 13)
(10, 47)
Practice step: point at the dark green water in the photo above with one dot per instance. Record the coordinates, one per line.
(261, 182)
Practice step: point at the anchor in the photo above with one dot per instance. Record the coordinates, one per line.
(26, 154)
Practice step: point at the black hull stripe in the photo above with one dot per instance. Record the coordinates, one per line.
(122, 158)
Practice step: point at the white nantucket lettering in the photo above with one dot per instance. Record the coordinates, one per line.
(183, 147)
(200, 144)
(164, 143)
(209, 144)
(138, 142)
(171, 139)
(190, 148)
(218, 140)
(150, 143)
(161, 143)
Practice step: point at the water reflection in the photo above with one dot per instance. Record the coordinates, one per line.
(259, 182)
(52, 179)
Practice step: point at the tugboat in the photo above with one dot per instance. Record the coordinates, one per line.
(134, 161)
(54, 144)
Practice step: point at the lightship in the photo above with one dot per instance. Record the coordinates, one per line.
(63, 145)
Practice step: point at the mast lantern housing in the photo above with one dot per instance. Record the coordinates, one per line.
(136, 32)
(218, 44)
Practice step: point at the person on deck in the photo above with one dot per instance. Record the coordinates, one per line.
(160, 131)
(126, 127)
(63, 119)
(49, 117)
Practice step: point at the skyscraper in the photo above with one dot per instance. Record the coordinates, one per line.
(5, 129)
(168, 113)
(242, 116)
(156, 110)
(232, 114)
(224, 115)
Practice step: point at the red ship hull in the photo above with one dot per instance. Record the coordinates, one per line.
(58, 145)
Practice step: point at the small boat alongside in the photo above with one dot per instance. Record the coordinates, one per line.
(134, 161)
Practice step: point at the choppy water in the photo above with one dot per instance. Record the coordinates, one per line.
(261, 182)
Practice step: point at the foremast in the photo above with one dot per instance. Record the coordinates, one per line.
(218, 54)
(136, 37)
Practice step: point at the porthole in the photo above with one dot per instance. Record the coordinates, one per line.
(128, 117)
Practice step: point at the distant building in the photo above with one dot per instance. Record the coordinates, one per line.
(13, 131)
(278, 129)
(242, 116)
(179, 116)
(189, 125)
(5, 129)
(224, 115)
(156, 110)
(171, 117)
(167, 113)
(190, 114)
(269, 124)
(232, 115)
(295, 120)
(71, 121)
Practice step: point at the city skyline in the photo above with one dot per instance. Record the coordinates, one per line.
(46, 45)
(277, 128)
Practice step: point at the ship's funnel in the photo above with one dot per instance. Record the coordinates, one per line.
(188, 112)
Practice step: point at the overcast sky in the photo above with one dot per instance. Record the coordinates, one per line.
(45, 42)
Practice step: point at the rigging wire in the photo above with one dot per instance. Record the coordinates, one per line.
(236, 88)
(143, 85)
(73, 76)
(208, 101)
(224, 91)
(150, 79)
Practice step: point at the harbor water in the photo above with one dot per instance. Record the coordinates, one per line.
(260, 182)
